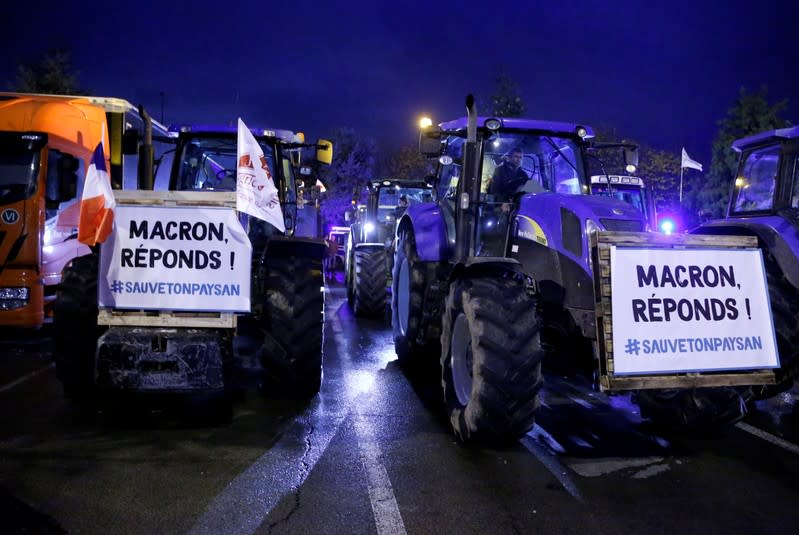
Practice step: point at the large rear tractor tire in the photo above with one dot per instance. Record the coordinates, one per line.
(75, 329)
(293, 327)
(703, 411)
(491, 360)
(408, 283)
(369, 285)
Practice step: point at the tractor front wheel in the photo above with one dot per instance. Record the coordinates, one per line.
(490, 360)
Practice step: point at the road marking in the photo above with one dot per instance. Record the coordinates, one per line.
(550, 461)
(388, 520)
(248, 499)
(27, 377)
(768, 437)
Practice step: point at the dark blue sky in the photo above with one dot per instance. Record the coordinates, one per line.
(660, 72)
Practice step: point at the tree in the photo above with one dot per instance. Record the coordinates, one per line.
(506, 100)
(352, 167)
(52, 74)
(404, 162)
(750, 114)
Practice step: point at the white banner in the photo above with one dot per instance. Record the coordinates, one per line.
(690, 310)
(176, 258)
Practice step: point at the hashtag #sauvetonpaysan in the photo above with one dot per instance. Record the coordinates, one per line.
(117, 287)
(632, 347)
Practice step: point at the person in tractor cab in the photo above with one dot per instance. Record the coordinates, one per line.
(402, 205)
(509, 176)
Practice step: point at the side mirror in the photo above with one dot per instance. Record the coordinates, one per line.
(430, 142)
(630, 159)
(130, 142)
(324, 151)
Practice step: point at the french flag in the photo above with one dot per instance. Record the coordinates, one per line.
(97, 202)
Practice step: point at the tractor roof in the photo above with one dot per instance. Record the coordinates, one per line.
(283, 135)
(739, 145)
(552, 127)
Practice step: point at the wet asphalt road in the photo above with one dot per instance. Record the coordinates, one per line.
(373, 454)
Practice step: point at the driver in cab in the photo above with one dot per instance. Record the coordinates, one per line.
(509, 176)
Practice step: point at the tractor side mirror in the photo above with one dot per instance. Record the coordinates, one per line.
(630, 159)
(430, 141)
(324, 151)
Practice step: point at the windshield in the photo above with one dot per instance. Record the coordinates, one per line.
(210, 163)
(754, 186)
(519, 162)
(633, 195)
(388, 201)
(19, 169)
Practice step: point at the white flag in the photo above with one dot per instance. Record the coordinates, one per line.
(688, 162)
(256, 193)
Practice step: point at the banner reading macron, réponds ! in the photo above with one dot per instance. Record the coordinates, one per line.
(176, 258)
(690, 310)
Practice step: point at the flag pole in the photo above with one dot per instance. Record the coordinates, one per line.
(681, 171)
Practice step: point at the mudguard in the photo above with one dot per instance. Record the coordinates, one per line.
(430, 229)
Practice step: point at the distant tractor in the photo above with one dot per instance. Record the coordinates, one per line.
(497, 278)
(370, 247)
(630, 189)
(764, 203)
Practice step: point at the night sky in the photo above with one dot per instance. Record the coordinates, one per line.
(659, 72)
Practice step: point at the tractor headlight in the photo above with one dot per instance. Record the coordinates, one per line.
(369, 227)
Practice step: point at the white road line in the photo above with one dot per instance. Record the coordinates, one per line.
(388, 520)
(24, 378)
(768, 437)
(248, 499)
(550, 461)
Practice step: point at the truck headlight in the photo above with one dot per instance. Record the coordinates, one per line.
(369, 227)
(14, 293)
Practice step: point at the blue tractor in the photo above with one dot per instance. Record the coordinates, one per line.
(494, 282)
(765, 203)
(370, 243)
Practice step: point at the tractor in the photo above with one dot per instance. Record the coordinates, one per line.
(370, 245)
(764, 203)
(492, 285)
(157, 307)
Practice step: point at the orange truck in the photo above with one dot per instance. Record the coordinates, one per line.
(46, 145)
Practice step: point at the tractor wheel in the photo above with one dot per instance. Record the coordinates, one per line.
(293, 324)
(75, 329)
(369, 286)
(407, 299)
(349, 280)
(490, 360)
(704, 411)
(785, 313)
